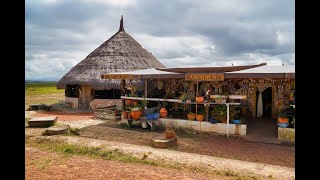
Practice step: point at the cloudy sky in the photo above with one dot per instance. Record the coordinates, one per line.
(179, 33)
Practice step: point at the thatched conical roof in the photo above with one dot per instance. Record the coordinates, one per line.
(120, 53)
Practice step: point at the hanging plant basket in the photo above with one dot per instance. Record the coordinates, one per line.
(199, 99)
(163, 112)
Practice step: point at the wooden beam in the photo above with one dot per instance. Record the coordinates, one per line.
(122, 86)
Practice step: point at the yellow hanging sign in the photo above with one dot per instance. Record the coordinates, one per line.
(204, 77)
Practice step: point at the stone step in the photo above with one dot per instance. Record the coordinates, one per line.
(42, 121)
(55, 130)
(262, 139)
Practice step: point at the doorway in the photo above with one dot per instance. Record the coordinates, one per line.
(266, 102)
(263, 126)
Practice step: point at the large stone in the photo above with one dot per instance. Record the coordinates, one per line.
(286, 134)
(162, 142)
(56, 130)
(43, 121)
(35, 107)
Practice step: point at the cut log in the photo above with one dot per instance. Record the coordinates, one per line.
(162, 142)
(42, 121)
(55, 130)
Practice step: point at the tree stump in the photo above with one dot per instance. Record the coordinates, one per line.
(55, 130)
(162, 142)
(42, 121)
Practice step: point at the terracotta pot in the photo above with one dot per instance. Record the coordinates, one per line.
(200, 117)
(283, 120)
(169, 135)
(136, 115)
(128, 101)
(124, 115)
(163, 112)
(135, 103)
(224, 121)
(191, 116)
(199, 99)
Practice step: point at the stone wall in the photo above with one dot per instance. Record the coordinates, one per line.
(286, 133)
(206, 126)
(99, 103)
(73, 101)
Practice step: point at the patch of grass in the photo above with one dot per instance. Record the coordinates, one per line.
(43, 92)
(73, 132)
(26, 120)
(98, 152)
(42, 88)
(42, 163)
(270, 177)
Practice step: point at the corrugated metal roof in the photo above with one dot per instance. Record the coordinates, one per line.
(267, 69)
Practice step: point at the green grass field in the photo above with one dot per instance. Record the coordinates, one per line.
(42, 93)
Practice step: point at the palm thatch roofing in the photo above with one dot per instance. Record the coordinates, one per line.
(120, 53)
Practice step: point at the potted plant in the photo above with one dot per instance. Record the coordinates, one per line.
(200, 115)
(169, 132)
(219, 112)
(233, 112)
(191, 116)
(199, 99)
(221, 98)
(124, 115)
(135, 103)
(128, 102)
(136, 113)
(183, 97)
(282, 120)
(163, 111)
(283, 117)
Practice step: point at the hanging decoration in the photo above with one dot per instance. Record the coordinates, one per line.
(160, 84)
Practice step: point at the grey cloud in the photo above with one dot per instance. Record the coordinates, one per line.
(241, 32)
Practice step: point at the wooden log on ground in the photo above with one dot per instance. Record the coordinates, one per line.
(43, 121)
(162, 142)
(56, 130)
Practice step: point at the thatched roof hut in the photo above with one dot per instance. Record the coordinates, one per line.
(118, 54)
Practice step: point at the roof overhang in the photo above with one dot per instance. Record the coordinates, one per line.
(144, 74)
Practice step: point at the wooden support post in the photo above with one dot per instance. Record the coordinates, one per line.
(197, 93)
(146, 88)
(122, 86)
(227, 119)
(145, 96)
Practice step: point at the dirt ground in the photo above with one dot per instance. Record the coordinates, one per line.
(64, 116)
(49, 165)
(201, 143)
